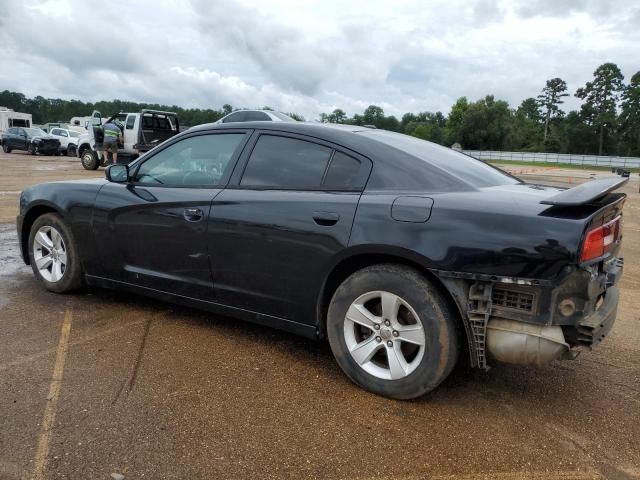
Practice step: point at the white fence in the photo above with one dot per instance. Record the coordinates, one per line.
(626, 162)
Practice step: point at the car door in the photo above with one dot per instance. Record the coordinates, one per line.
(22, 139)
(275, 229)
(10, 137)
(151, 231)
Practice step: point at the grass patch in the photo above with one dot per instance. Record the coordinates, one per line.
(519, 163)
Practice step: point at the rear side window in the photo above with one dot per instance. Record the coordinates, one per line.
(256, 117)
(281, 162)
(345, 172)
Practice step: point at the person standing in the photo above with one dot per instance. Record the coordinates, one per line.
(112, 135)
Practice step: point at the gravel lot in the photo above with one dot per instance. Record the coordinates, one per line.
(150, 390)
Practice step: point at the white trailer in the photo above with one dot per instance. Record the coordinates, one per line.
(9, 118)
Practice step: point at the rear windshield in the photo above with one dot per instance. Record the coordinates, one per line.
(283, 117)
(469, 170)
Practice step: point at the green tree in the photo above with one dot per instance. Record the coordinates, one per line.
(373, 115)
(600, 99)
(226, 109)
(486, 124)
(630, 116)
(455, 119)
(337, 116)
(549, 101)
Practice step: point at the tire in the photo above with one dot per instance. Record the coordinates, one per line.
(89, 160)
(32, 149)
(416, 311)
(6, 148)
(57, 153)
(50, 239)
(71, 150)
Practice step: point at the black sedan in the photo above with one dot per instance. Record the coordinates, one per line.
(403, 253)
(33, 140)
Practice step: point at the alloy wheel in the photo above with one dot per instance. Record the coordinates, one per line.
(50, 253)
(384, 335)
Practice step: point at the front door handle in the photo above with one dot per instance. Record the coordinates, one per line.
(326, 219)
(193, 214)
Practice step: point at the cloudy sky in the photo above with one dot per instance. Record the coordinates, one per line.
(311, 56)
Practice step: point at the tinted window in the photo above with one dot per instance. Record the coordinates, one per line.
(18, 122)
(345, 172)
(283, 117)
(235, 117)
(55, 131)
(202, 160)
(282, 162)
(131, 119)
(457, 166)
(256, 117)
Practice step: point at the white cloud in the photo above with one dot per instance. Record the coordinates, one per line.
(311, 56)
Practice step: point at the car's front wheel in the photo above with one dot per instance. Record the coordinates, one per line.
(392, 332)
(53, 254)
(6, 148)
(32, 149)
(89, 160)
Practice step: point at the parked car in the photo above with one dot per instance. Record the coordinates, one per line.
(68, 140)
(255, 116)
(403, 253)
(34, 140)
(141, 132)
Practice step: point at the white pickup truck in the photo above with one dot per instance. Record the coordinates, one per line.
(68, 140)
(141, 132)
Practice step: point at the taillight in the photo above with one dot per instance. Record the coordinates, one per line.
(600, 240)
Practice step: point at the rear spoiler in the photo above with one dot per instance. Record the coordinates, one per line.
(585, 193)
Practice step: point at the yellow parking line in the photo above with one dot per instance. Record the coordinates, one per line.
(52, 400)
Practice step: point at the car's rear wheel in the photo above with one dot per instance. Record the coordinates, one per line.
(6, 148)
(53, 254)
(32, 149)
(392, 332)
(89, 160)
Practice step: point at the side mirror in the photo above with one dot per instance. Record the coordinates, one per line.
(117, 173)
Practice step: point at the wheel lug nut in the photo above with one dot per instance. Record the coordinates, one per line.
(387, 323)
(395, 333)
(378, 339)
(376, 326)
(389, 343)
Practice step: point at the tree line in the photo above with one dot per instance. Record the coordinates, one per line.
(607, 123)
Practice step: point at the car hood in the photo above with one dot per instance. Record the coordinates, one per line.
(42, 137)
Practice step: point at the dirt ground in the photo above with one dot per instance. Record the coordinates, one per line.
(101, 383)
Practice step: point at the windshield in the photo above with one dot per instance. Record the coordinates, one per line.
(33, 132)
(463, 167)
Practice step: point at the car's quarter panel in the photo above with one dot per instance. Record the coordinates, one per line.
(492, 231)
(145, 237)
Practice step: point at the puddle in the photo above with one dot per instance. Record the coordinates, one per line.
(10, 260)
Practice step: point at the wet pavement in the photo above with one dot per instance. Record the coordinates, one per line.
(149, 390)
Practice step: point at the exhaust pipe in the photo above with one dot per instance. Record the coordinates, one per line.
(510, 341)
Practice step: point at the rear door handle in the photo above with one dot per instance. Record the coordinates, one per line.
(193, 214)
(326, 219)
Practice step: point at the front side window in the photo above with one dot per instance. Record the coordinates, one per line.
(131, 120)
(281, 162)
(195, 161)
